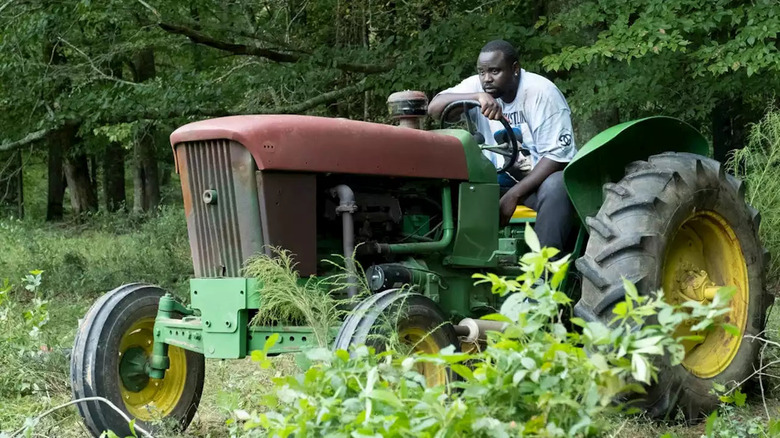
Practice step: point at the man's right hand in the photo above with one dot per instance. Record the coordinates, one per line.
(490, 106)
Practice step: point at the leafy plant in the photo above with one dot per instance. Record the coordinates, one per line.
(535, 378)
(21, 324)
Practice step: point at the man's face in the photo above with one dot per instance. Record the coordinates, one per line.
(495, 74)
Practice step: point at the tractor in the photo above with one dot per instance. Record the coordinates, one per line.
(419, 210)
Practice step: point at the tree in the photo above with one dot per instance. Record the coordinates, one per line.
(712, 64)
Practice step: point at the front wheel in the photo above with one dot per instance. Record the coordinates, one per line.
(112, 346)
(678, 222)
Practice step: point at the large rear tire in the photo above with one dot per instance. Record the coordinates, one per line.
(418, 322)
(113, 342)
(673, 222)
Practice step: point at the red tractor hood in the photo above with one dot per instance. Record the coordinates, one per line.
(320, 144)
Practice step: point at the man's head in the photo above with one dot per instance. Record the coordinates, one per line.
(498, 69)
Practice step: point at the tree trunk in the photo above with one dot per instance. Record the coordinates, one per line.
(138, 182)
(114, 176)
(20, 186)
(59, 141)
(146, 184)
(11, 184)
(80, 186)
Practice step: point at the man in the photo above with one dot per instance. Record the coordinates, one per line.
(536, 106)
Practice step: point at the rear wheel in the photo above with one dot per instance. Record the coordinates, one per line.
(111, 350)
(679, 222)
(415, 319)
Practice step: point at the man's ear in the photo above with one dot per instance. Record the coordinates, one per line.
(516, 68)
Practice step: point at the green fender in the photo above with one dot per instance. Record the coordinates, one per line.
(604, 158)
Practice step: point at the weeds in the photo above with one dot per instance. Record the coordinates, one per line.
(758, 165)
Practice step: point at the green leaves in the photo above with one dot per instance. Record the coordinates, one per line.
(533, 376)
(261, 356)
(531, 240)
(736, 397)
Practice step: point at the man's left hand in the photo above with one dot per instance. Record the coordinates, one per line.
(507, 206)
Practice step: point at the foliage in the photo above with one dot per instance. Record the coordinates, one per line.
(758, 165)
(679, 58)
(535, 378)
(77, 62)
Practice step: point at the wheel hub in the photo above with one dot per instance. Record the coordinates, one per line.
(423, 343)
(146, 398)
(704, 255)
(697, 286)
(133, 369)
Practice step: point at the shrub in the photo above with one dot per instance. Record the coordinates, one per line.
(535, 378)
(758, 165)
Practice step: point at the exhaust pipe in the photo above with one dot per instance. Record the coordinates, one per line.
(346, 207)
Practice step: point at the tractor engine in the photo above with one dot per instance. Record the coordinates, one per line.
(316, 187)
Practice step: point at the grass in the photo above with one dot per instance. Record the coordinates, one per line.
(758, 165)
(91, 257)
(288, 299)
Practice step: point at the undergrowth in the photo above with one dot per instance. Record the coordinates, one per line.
(100, 252)
(758, 165)
(31, 363)
(536, 378)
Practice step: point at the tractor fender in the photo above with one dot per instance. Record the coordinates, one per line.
(604, 158)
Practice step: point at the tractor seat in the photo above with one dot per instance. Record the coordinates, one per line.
(523, 212)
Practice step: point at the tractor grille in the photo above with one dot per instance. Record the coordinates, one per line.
(224, 231)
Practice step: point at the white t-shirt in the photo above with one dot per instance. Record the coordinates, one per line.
(539, 110)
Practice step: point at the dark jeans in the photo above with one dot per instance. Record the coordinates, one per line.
(554, 212)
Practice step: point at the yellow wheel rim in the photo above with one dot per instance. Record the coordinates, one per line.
(705, 255)
(159, 397)
(422, 342)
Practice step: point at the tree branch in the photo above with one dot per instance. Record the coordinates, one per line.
(273, 55)
(238, 49)
(322, 99)
(97, 70)
(29, 138)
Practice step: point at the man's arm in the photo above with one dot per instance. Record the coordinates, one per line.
(544, 168)
(490, 107)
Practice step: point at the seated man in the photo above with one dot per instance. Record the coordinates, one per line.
(536, 106)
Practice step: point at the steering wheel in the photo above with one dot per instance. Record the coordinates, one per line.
(467, 105)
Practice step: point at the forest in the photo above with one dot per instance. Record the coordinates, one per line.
(93, 89)
(90, 92)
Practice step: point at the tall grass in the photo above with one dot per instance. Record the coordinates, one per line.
(758, 164)
(288, 299)
(99, 253)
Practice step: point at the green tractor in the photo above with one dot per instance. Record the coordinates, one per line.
(419, 210)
